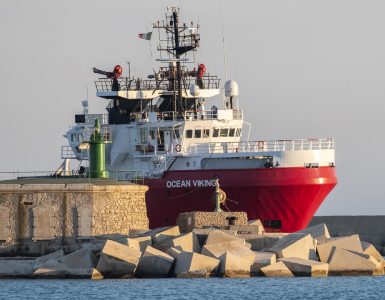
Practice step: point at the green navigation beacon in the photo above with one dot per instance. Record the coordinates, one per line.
(97, 152)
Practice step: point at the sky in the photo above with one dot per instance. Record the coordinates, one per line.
(305, 69)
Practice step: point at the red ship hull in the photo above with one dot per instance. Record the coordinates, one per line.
(285, 199)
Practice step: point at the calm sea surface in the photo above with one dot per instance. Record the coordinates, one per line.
(212, 288)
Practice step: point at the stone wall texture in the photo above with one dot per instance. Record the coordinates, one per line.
(203, 219)
(39, 218)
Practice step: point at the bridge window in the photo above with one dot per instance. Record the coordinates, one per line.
(152, 134)
(224, 132)
(238, 133)
(74, 137)
(215, 132)
(198, 133)
(206, 133)
(189, 134)
(143, 135)
(176, 133)
(232, 132)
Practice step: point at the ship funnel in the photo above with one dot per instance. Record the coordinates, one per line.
(231, 88)
(194, 90)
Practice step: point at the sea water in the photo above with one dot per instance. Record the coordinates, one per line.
(359, 287)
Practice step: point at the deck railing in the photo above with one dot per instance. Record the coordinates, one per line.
(130, 84)
(262, 146)
(191, 115)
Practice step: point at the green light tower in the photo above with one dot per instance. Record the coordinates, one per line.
(97, 152)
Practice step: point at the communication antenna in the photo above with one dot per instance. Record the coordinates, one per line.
(129, 68)
(223, 39)
(85, 104)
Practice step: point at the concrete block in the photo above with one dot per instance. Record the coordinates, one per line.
(51, 269)
(319, 232)
(262, 259)
(11, 268)
(348, 243)
(81, 259)
(369, 249)
(278, 269)
(130, 242)
(187, 242)
(220, 237)
(259, 242)
(294, 245)
(190, 264)
(173, 252)
(154, 264)
(42, 259)
(247, 229)
(160, 234)
(255, 222)
(118, 260)
(233, 266)
(96, 275)
(303, 267)
(143, 242)
(203, 233)
(234, 247)
(54, 269)
(347, 262)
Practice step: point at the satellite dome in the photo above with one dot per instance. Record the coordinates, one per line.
(231, 88)
(194, 90)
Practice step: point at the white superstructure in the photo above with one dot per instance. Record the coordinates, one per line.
(166, 122)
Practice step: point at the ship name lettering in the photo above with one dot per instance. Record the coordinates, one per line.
(178, 183)
(189, 183)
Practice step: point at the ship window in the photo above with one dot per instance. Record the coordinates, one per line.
(74, 137)
(176, 133)
(152, 134)
(215, 132)
(238, 132)
(198, 133)
(232, 132)
(224, 132)
(189, 134)
(206, 133)
(143, 135)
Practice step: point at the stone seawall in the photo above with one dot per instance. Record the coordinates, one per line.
(369, 228)
(36, 218)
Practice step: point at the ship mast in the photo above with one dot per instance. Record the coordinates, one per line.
(179, 40)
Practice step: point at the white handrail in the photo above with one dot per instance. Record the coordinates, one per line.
(262, 146)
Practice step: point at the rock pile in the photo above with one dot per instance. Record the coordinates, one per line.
(165, 252)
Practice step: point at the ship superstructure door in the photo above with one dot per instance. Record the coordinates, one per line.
(167, 140)
(164, 140)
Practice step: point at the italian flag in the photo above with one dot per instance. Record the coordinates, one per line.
(145, 36)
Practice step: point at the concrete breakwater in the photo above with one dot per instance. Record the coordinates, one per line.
(369, 228)
(166, 252)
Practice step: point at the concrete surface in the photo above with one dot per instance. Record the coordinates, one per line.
(154, 264)
(294, 245)
(278, 269)
(303, 267)
(349, 243)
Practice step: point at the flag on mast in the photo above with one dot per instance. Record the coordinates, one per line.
(145, 36)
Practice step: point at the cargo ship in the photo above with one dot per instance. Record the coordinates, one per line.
(164, 130)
